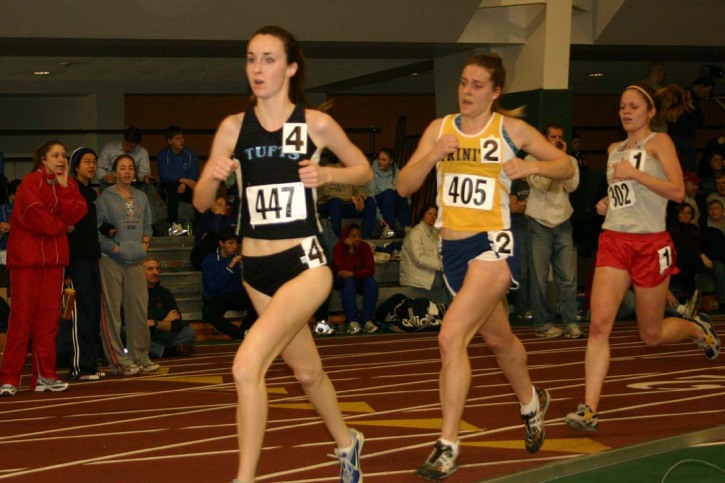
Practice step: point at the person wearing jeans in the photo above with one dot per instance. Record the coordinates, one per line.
(553, 246)
(550, 242)
(391, 205)
(336, 201)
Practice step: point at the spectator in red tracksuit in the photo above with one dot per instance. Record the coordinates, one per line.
(355, 274)
(48, 204)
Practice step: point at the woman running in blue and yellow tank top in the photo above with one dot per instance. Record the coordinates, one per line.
(473, 153)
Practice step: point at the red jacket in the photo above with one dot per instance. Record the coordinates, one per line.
(360, 262)
(41, 215)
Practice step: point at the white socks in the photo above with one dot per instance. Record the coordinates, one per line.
(533, 405)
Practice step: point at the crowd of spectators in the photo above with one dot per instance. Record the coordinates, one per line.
(111, 214)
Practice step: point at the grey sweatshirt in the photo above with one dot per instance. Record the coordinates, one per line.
(132, 221)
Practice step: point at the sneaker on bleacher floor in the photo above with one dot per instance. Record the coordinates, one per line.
(440, 464)
(7, 390)
(47, 384)
(583, 419)
(549, 333)
(692, 305)
(534, 422)
(387, 233)
(350, 471)
(321, 327)
(353, 328)
(370, 327)
(177, 230)
(710, 343)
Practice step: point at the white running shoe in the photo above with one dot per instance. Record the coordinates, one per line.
(177, 230)
(549, 333)
(322, 327)
(52, 385)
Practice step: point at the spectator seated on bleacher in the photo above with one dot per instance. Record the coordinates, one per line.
(170, 334)
(354, 268)
(338, 201)
(391, 205)
(207, 228)
(713, 245)
(420, 259)
(223, 290)
(688, 247)
(178, 173)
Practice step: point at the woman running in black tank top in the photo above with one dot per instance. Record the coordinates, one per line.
(275, 69)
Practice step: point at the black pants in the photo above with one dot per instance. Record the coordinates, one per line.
(78, 341)
(213, 309)
(173, 197)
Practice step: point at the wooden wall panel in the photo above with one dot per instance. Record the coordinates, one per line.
(155, 112)
(382, 111)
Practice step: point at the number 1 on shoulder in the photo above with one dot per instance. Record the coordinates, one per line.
(637, 158)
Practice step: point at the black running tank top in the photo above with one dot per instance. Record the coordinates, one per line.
(274, 204)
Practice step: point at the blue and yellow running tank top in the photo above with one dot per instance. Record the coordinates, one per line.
(473, 190)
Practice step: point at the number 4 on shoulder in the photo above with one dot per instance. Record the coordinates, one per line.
(294, 138)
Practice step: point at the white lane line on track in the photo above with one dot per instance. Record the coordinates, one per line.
(67, 464)
(163, 410)
(85, 435)
(181, 444)
(174, 456)
(107, 423)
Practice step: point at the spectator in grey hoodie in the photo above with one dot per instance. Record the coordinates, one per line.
(125, 228)
(392, 206)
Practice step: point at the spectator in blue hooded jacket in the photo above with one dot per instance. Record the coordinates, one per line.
(223, 291)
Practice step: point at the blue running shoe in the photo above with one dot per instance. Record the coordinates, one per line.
(350, 471)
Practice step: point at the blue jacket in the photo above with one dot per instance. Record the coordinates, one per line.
(5, 212)
(219, 279)
(174, 166)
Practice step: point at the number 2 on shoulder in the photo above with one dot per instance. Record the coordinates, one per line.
(294, 138)
(491, 150)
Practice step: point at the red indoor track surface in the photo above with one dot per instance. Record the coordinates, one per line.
(179, 424)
